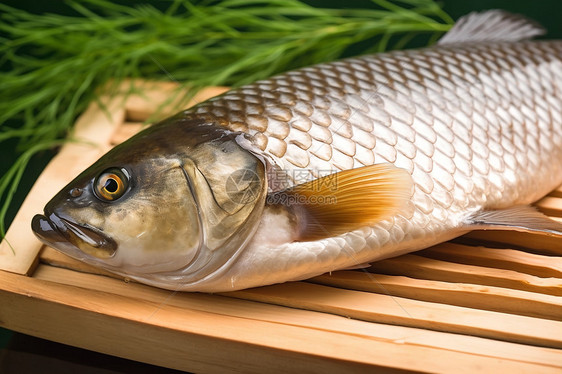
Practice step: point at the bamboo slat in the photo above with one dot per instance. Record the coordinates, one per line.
(407, 312)
(557, 192)
(227, 305)
(550, 205)
(508, 259)
(417, 266)
(529, 242)
(206, 342)
(490, 301)
(468, 295)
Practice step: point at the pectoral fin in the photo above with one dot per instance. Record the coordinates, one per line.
(518, 218)
(346, 200)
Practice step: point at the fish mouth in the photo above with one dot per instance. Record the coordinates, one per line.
(72, 238)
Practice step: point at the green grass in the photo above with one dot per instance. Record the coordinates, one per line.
(52, 65)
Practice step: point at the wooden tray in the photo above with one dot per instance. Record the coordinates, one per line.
(489, 301)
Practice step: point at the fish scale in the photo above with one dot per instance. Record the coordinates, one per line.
(402, 122)
(462, 119)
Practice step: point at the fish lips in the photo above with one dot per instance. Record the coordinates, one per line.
(72, 238)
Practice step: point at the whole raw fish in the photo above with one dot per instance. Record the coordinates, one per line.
(328, 167)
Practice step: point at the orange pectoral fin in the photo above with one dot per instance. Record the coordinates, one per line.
(347, 200)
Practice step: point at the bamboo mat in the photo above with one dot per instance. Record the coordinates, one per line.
(488, 301)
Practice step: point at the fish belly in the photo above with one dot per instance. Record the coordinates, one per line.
(477, 125)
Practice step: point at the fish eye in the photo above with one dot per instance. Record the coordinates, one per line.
(111, 184)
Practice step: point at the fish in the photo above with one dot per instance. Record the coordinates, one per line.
(329, 167)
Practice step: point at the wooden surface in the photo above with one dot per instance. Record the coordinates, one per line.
(489, 301)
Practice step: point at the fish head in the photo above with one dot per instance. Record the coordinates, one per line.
(162, 207)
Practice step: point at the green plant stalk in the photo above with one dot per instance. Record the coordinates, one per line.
(52, 66)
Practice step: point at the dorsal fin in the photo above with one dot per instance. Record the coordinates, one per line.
(492, 26)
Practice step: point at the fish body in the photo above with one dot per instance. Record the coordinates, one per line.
(469, 131)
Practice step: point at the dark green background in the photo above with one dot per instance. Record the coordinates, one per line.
(33, 352)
